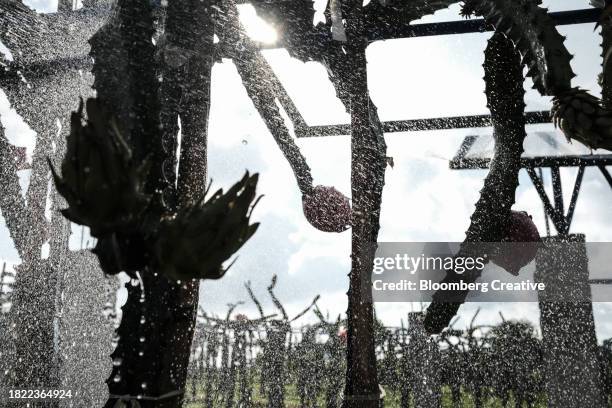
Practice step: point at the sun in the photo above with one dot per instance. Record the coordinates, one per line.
(256, 27)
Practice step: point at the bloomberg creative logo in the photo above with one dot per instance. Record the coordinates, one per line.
(416, 272)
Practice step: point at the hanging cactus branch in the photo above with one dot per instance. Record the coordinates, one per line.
(492, 220)
(325, 208)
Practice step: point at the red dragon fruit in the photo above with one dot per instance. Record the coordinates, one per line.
(327, 209)
(525, 239)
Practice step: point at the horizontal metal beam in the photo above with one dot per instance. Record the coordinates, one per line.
(415, 125)
(384, 32)
(600, 281)
(380, 31)
(543, 161)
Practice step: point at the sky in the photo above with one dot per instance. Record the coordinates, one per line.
(422, 201)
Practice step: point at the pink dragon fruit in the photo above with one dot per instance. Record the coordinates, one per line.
(327, 209)
(525, 239)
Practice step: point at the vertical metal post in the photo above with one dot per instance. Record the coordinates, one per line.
(541, 174)
(571, 364)
(557, 189)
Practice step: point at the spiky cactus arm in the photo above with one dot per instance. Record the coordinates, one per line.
(368, 169)
(136, 29)
(491, 217)
(606, 46)
(256, 76)
(126, 83)
(580, 115)
(258, 79)
(534, 34)
(110, 65)
(150, 358)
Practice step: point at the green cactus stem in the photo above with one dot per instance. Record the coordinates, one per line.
(534, 34)
(606, 46)
(261, 86)
(347, 72)
(491, 218)
(368, 163)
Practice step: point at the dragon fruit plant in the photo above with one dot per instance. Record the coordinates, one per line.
(105, 190)
(532, 37)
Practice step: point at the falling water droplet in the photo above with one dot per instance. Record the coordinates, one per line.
(117, 361)
(117, 378)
